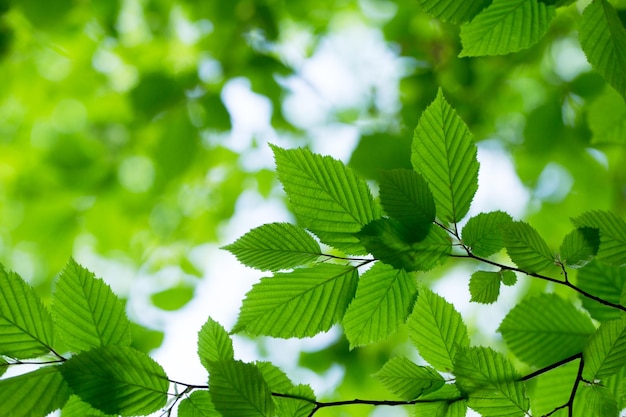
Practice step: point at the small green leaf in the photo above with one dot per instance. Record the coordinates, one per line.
(117, 380)
(239, 390)
(612, 248)
(26, 328)
(198, 404)
(437, 330)
(408, 380)
(603, 39)
(35, 394)
(508, 277)
(579, 247)
(506, 26)
(526, 248)
(483, 232)
(405, 196)
(545, 329)
(326, 196)
(275, 246)
(214, 344)
(173, 298)
(453, 11)
(301, 303)
(606, 282)
(444, 152)
(605, 351)
(87, 312)
(484, 287)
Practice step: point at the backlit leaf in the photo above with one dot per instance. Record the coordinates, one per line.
(303, 401)
(275, 246)
(87, 313)
(214, 344)
(453, 10)
(526, 248)
(75, 407)
(301, 303)
(579, 247)
(484, 286)
(444, 152)
(594, 400)
(408, 380)
(605, 351)
(553, 388)
(604, 281)
(545, 329)
(198, 404)
(173, 298)
(483, 232)
(612, 235)
(508, 277)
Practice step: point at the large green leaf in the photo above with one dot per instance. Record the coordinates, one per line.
(545, 329)
(579, 247)
(326, 196)
(117, 380)
(482, 234)
(444, 152)
(605, 351)
(526, 248)
(214, 344)
(34, 394)
(26, 328)
(491, 382)
(239, 390)
(298, 304)
(506, 26)
(552, 389)
(612, 235)
(603, 39)
(275, 246)
(405, 196)
(383, 301)
(454, 11)
(87, 312)
(408, 380)
(604, 281)
(484, 286)
(198, 404)
(437, 330)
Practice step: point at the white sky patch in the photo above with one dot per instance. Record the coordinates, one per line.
(569, 59)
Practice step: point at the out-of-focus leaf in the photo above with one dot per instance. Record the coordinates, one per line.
(173, 298)
(454, 11)
(607, 118)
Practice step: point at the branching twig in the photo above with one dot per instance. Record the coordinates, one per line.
(551, 367)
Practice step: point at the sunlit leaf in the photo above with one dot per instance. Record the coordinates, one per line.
(526, 248)
(545, 329)
(444, 152)
(553, 388)
(594, 400)
(295, 400)
(453, 10)
(173, 298)
(605, 351)
(437, 330)
(26, 328)
(506, 26)
(214, 344)
(298, 304)
(87, 312)
(408, 380)
(484, 287)
(275, 246)
(612, 235)
(603, 281)
(117, 380)
(579, 247)
(326, 196)
(34, 394)
(198, 404)
(483, 232)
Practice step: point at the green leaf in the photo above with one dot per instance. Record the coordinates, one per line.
(326, 196)
(35, 394)
(437, 330)
(579, 247)
(526, 248)
(408, 380)
(444, 152)
(26, 329)
(390, 242)
(214, 344)
(301, 303)
(405, 196)
(594, 400)
(605, 351)
(612, 235)
(607, 127)
(453, 11)
(238, 390)
(4, 365)
(491, 382)
(302, 401)
(275, 246)
(117, 380)
(383, 300)
(506, 26)
(173, 298)
(616, 383)
(75, 407)
(87, 312)
(484, 287)
(552, 389)
(483, 232)
(545, 329)
(441, 409)
(603, 39)
(198, 404)
(604, 281)
(508, 277)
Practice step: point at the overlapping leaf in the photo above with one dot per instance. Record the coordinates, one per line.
(299, 400)
(526, 248)
(437, 330)
(444, 152)
(117, 380)
(604, 281)
(603, 39)
(75, 407)
(506, 26)
(301, 303)
(198, 404)
(484, 286)
(483, 232)
(214, 344)
(612, 248)
(382, 303)
(579, 247)
(327, 197)
(594, 400)
(552, 389)
(87, 313)
(442, 408)
(605, 352)
(275, 246)
(407, 379)
(26, 328)
(454, 11)
(545, 329)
